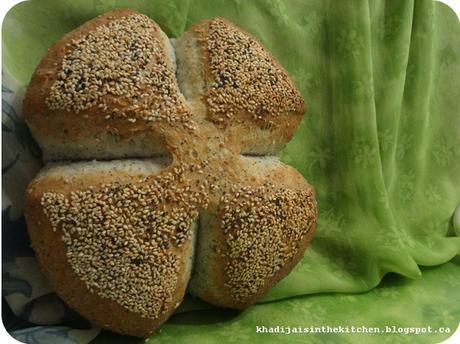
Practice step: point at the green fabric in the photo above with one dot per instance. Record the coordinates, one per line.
(380, 140)
(396, 302)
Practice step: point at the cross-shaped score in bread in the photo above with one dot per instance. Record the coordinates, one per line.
(122, 240)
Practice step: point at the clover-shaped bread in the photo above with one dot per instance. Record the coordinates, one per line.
(196, 200)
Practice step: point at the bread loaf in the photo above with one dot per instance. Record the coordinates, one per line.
(185, 204)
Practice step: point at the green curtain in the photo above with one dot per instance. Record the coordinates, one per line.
(379, 142)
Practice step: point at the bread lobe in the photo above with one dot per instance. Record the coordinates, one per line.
(120, 235)
(254, 230)
(230, 79)
(108, 84)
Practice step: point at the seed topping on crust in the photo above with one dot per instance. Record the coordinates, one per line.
(120, 68)
(245, 77)
(262, 228)
(124, 240)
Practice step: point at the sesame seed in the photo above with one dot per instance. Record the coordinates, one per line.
(124, 240)
(246, 78)
(263, 227)
(122, 62)
(120, 238)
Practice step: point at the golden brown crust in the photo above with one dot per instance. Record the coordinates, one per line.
(97, 103)
(263, 243)
(73, 276)
(51, 254)
(123, 107)
(245, 83)
(254, 231)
